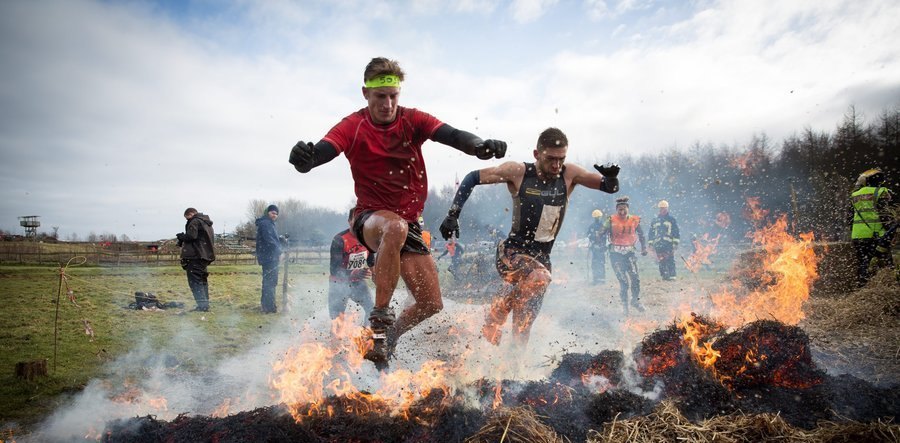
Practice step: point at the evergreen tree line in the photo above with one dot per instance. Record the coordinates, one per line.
(808, 177)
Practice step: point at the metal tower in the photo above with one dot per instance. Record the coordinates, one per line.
(30, 223)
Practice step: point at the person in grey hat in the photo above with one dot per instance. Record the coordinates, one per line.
(197, 252)
(268, 253)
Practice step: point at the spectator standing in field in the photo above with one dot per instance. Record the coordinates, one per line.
(540, 194)
(197, 252)
(383, 144)
(351, 265)
(268, 254)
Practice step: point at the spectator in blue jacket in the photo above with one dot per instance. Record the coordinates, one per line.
(268, 252)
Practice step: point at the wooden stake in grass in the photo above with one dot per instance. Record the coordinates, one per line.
(62, 273)
(284, 283)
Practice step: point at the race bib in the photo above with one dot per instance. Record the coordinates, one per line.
(622, 249)
(357, 260)
(549, 224)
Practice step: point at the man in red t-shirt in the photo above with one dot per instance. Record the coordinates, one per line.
(383, 143)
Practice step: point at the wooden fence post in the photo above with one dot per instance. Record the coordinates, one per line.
(284, 282)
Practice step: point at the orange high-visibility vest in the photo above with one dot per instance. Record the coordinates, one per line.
(623, 232)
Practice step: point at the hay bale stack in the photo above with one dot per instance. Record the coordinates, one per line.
(767, 353)
(574, 368)
(859, 332)
(515, 425)
(667, 424)
(875, 305)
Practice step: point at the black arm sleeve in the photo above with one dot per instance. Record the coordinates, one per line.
(461, 140)
(471, 180)
(323, 152)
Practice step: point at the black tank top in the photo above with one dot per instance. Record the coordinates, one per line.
(538, 211)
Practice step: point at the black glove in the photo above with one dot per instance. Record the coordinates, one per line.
(180, 236)
(490, 149)
(302, 156)
(609, 170)
(449, 226)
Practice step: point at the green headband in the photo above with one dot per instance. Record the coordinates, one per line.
(383, 80)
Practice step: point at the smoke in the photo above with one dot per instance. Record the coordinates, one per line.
(186, 375)
(151, 380)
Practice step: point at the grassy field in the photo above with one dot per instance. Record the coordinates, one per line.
(101, 296)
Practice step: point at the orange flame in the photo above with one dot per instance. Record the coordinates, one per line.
(498, 398)
(222, 410)
(310, 372)
(694, 333)
(753, 210)
(789, 268)
(159, 403)
(748, 163)
(703, 248)
(723, 220)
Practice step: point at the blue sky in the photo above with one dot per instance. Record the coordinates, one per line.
(116, 115)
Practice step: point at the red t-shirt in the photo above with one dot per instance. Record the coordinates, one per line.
(386, 161)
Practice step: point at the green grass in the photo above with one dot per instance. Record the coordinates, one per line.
(28, 306)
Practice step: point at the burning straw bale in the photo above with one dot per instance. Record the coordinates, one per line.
(515, 425)
(766, 352)
(335, 419)
(263, 424)
(347, 419)
(562, 406)
(667, 424)
(663, 358)
(764, 368)
(575, 369)
(616, 404)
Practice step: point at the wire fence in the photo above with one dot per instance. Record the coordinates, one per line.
(145, 258)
